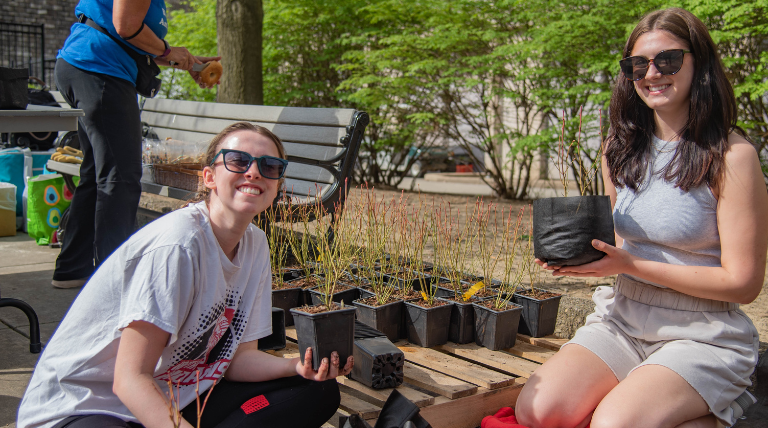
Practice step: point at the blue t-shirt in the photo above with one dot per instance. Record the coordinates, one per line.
(90, 50)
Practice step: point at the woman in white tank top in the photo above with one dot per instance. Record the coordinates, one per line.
(667, 346)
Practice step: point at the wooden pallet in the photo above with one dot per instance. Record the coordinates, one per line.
(454, 385)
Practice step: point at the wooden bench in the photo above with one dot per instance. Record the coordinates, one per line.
(321, 143)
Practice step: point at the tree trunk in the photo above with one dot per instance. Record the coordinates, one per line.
(238, 28)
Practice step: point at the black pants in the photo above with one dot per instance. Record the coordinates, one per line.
(103, 211)
(292, 402)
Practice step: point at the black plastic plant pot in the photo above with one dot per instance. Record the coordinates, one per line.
(291, 274)
(539, 316)
(386, 318)
(462, 324)
(563, 229)
(325, 333)
(428, 327)
(364, 294)
(276, 340)
(378, 363)
(285, 299)
(496, 329)
(347, 296)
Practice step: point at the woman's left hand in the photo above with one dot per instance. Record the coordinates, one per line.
(616, 261)
(327, 370)
(196, 75)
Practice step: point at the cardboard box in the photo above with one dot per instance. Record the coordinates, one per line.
(7, 209)
(7, 222)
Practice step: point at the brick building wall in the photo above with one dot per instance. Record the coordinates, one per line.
(57, 16)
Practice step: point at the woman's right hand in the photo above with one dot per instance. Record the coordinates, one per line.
(327, 370)
(180, 58)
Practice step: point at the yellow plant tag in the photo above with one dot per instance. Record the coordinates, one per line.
(472, 290)
(424, 296)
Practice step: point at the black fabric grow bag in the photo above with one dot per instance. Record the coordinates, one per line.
(563, 229)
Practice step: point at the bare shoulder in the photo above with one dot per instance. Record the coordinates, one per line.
(741, 152)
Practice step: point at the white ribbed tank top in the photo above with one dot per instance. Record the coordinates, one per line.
(662, 223)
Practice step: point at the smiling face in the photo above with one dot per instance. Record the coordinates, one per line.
(664, 93)
(244, 194)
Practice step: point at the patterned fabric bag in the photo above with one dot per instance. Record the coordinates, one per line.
(47, 198)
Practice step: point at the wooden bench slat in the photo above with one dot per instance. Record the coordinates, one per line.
(379, 396)
(436, 382)
(326, 136)
(301, 150)
(531, 352)
(237, 112)
(303, 188)
(353, 405)
(468, 412)
(310, 173)
(455, 367)
(549, 342)
(496, 359)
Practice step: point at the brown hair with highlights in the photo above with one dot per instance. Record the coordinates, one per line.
(700, 155)
(204, 193)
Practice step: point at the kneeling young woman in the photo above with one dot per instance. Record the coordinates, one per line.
(667, 346)
(186, 298)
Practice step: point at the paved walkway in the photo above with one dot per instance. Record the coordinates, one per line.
(25, 273)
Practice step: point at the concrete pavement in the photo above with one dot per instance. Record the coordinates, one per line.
(25, 273)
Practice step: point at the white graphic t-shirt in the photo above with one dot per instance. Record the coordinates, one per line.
(173, 274)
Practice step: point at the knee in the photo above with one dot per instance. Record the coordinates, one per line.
(612, 419)
(536, 409)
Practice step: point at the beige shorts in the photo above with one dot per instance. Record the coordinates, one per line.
(715, 351)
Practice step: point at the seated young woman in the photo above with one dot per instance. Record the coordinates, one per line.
(186, 299)
(667, 346)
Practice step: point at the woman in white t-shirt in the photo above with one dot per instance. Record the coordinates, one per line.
(186, 298)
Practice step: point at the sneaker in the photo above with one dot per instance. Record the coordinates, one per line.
(72, 283)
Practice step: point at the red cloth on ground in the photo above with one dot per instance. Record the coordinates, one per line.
(504, 418)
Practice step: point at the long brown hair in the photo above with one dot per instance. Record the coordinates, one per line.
(204, 193)
(700, 155)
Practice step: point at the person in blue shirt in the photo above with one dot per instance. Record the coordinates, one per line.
(97, 75)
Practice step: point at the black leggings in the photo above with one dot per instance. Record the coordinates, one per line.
(288, 402)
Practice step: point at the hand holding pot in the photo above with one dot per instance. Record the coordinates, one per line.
(616, 261)
(327, 370)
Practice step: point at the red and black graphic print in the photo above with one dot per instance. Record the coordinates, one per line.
(210, 348)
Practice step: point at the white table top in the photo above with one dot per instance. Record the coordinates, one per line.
(39, 119)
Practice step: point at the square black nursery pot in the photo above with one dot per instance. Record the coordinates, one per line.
(386, 318)
(428, 327)
(539, 316)
(378, 363)
(462, 323)
(276, 340)
(347, 296)
(496, 329)
(325, 332)
(285, 299)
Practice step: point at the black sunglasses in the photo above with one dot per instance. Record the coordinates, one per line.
(667, 62)
(238, 162)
